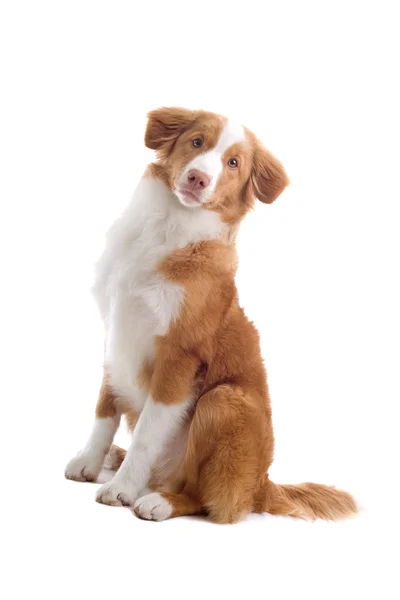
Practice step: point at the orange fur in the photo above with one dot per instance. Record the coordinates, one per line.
(115, 457)
(106, 403)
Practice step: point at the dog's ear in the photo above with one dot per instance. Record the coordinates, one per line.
(268, 177)
(164, 125)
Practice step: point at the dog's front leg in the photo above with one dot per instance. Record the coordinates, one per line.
(169, 399)
(87, 464)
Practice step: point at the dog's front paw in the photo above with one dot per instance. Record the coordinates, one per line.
(83, 468)
(117, 492)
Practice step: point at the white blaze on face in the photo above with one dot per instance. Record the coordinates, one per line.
(210, 162)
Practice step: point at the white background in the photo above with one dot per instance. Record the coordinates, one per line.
(319, 275)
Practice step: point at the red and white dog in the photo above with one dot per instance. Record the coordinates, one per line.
(182, 362)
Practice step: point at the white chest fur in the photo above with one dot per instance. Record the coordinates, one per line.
(136, 302)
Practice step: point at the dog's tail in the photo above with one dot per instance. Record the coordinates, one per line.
(307, 501)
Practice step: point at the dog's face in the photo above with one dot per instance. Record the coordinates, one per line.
(212, 163)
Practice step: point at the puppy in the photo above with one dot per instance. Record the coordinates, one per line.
(182, 361)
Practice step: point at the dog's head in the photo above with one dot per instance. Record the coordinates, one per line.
(212, 163)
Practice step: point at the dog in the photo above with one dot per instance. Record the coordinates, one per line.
(182, 361)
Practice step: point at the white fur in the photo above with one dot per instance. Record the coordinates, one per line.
(153, 507)
(157, 424)
(87, 464)
(136, 301)
(137, 304)
(212, 162)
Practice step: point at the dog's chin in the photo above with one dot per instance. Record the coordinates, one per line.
(188, 199)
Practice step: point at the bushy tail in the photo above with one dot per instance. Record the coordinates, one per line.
(308, 501)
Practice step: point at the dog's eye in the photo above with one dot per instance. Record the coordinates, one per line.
(233, 163)
(197, 142)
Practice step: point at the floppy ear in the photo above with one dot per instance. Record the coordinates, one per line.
(269, 177)
(164, 125)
